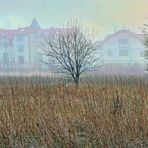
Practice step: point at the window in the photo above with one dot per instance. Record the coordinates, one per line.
(123, 41)
(4, 43)
(21, 59)
(20, 48)
(123, 53)
(20, 38)
(5, 58)
(109, 53)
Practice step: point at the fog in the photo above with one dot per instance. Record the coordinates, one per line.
(23, 22)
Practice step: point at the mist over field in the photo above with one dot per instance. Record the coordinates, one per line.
(73, 73)
(22, 24)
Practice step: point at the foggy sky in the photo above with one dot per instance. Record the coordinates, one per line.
(104, 15)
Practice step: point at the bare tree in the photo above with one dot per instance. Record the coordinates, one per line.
(70, 50)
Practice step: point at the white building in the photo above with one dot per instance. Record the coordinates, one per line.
(19, 48)
(122, 53)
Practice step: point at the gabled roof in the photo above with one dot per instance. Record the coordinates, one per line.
(124, 31)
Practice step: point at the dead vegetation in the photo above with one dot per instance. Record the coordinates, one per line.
(105, 115)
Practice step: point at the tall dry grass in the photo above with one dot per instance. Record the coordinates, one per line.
(105, 115)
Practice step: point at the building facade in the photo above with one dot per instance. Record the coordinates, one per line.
(20, 50)
(122, 53)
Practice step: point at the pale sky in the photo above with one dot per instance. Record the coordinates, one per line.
(103, 15)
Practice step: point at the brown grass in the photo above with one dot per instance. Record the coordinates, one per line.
(106, 115)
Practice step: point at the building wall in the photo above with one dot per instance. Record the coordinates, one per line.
(122, 53)
(23, 53)
(123, 48)
(21, 47)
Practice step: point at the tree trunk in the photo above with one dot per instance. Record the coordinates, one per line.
(76, 81)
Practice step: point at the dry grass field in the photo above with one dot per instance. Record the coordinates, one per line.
(110, 114)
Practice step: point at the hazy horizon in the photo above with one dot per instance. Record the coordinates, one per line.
(105, 16)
